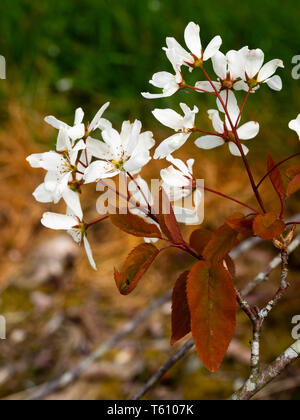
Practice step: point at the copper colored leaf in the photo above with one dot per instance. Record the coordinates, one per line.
(294, 185)
(167, 220)
(230, 266)
(268, 226)
(293, 171)
(275, 177)
(135, 225)
(181, 320)
(221, 243)
(239, 223)
(212, 303)
(135, 266)
(199, 239)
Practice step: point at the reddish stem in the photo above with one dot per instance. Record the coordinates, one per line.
(275, 167)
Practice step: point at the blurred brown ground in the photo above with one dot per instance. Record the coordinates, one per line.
(58, 309)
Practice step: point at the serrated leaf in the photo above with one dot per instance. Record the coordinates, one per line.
(268, 226)
(199, 239)
(221, 243)
(167, 220)
(135, 225)
(294, 185)
(212, 303)
(275, 177)
(135, 266)
(239, 223)
(181, 320)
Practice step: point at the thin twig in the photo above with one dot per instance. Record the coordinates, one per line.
(270, 373)
(164, 369)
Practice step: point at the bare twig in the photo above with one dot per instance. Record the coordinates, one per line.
(264, 275)
(270, 373)
(163, 369)
(69, 377)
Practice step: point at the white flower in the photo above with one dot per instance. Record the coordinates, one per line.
(60, 167)
(295, 125)
(128, 151)
(229, 68)
(224, 130)
(178, 180)
(182, 124)
(78, 130)
(74, 226)
(196, 56)
(179, 183)
(257, 73)
(142, 195)
(168, 82)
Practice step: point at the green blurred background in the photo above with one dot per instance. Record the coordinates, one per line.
(61, 55)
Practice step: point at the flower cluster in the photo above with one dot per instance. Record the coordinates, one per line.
(81, 159)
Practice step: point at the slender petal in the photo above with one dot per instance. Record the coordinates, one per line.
(89, 253)
(170, 145)
(212, 48)
(58, 221)
(248, 131)
(192, 39)
(269, 69)
(234, 150)
(209, 142)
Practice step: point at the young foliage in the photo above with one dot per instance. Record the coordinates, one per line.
(212, 303)
(135, 266)
(181, 319)
(268, 226)
(221, 243)
(135, 225)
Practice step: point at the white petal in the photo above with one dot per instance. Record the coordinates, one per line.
(96, 120)
(217, 123)
(248, 131)
(138, 160)
(192, 39)
(73, 202)
(99, 170)
(42, 195)
(236, 64)
(63, 142)
(187, 170)
(174, 178)
(54, 122)
(212, 48)
(51, 161)
(219, 62)
(209, 142)
(79, 115)
(269, 69)
(113, 139)
(98, 149)
(168, 146)
(207, 86)
(51, 181)
(169, 118)
(166, 93)
(274, 83)
(234, 150)
(161, 79)
(36, 160)
(241, 85)
(76, 132)
(58, 221)
(89, 253)
(295, 125)
(254, 62)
